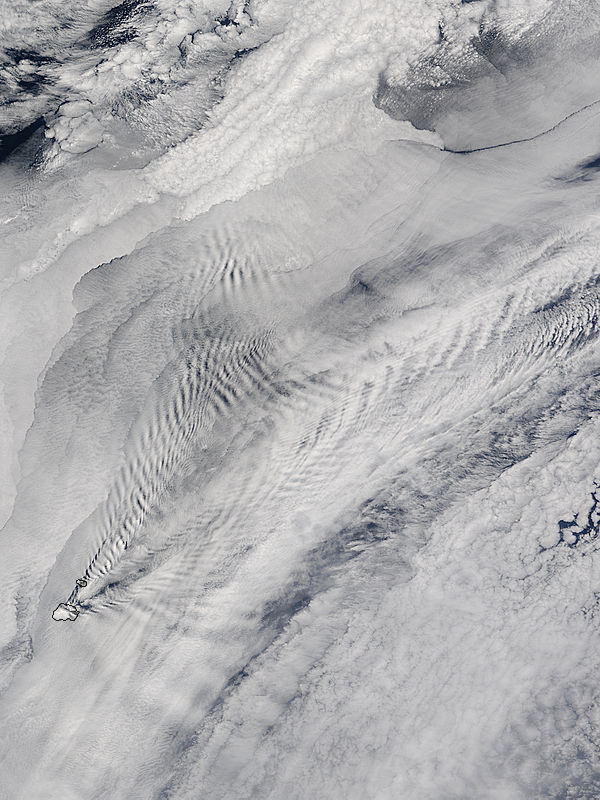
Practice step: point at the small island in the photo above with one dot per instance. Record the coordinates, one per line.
(65, 611)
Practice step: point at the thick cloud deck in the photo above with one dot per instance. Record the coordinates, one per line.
(299, 363)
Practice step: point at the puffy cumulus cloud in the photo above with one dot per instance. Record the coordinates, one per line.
(123, 59)
(306, 90)
(314, 83)
(75, 128)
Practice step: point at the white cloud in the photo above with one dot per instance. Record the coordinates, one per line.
(303, 399)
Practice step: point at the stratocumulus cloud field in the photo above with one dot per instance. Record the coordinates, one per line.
(300, 367)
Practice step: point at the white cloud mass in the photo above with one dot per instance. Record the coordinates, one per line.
(299, 408)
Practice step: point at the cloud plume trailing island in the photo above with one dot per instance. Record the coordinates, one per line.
(300, 308)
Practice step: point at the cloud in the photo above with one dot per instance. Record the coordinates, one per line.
(300, 406)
